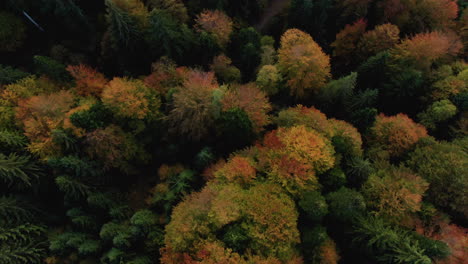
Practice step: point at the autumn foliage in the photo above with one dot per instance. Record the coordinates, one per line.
(88, 81)
(381, 38)
(192, 112)
(130, 99)
(293, 156)
(237, 170)
(346, 42)
(425, 48)
(312, 118)
(267, 214)
(40, 116)
(303, 63)
(395, 193)
(216, 23)
(250, 99)
(396, 134)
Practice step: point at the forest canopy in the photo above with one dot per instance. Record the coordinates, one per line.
(233, 132)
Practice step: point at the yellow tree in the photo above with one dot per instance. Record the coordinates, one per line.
(130, 99)
(303, 63)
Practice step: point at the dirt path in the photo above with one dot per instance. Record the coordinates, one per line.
(274, 9)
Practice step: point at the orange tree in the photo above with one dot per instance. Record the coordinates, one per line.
(396, 134)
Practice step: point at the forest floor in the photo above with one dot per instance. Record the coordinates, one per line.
(274, 9)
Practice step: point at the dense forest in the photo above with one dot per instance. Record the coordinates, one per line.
(233, 131)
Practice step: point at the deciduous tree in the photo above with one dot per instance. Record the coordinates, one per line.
(216, 23)
(396, 134)
(302, 62)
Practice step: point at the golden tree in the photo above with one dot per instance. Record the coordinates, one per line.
(303, 63)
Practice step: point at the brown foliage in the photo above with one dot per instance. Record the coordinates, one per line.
(193, 107)
(383, 37)
(346, 42)
(113, 147)
(425, 48)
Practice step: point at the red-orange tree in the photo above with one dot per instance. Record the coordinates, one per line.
(88, 81)
(250, 99)
(303, 63)
(40, 116)
(346, 42)
(425, 48)
(396, 134)
(237, 170)
(293, 156)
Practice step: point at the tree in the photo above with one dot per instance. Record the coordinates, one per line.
(396, 134)
(193, 109)
(51, 68)
(346, 42)
(269, 79)
(386, 243)
(395, 193)
(216, 23)
(443, 165)
(314, 205)
(225, 72)
(237, 170)
(176, 8)
(12, 32)
(294, 156)
(263, 214)
(437, 112)
(165, 75)
(345, 205)
(168, 38)
(88, 81)
(350, 10)
(302, 62)
(40, 116)
(22, 244)
(131, 99)
(329, 128)
(126, 20)
(251, 100)
(423, 49)
(10, 75)
(381, 38)
(235, 128)
(18, 171)
(310, 16)
(113, 147)
(245, 49)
